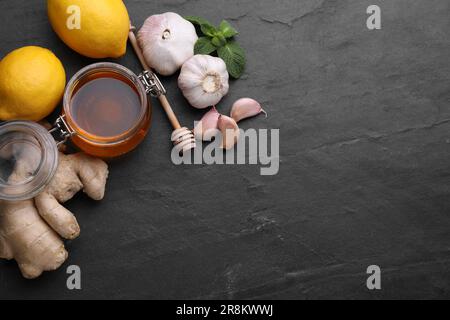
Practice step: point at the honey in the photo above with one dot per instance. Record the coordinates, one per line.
(107, 108)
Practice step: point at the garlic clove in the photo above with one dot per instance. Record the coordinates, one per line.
(204, 81)
(206, 128)
(246, 108)
(167, 41)
(230, 132)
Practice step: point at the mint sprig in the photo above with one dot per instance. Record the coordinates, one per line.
(221, 40)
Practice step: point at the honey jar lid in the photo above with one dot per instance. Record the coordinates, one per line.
(28, 160)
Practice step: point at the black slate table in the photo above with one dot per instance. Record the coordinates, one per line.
(364, 118)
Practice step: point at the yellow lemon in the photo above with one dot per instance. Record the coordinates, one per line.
(93, 28)
(32, 81)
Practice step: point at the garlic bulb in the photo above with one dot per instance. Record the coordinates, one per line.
(204, 81)
(246, 108)
(167, 41)
(207, 127)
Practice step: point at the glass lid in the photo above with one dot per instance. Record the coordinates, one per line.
(28, 159)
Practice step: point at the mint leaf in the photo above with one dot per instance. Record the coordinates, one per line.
(205, 26)
(197, 20)
(209, 30)
(227, 30)
(204, 46)
(219, 41)
(234, 57)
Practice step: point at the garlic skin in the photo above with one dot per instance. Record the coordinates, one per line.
(207, 127)
(230, 132)
(167, 41)
(246, 108)
(204, 81)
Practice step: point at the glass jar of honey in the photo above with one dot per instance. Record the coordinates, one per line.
(106, 110)
(106, 113)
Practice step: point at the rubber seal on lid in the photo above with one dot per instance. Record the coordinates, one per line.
(28, 160)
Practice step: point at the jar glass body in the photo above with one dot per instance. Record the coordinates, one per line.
(28, 160)
(100, 145)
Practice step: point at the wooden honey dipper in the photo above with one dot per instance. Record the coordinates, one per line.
(182, 137)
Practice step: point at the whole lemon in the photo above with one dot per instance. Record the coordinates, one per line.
(32, 81)
(93, 28)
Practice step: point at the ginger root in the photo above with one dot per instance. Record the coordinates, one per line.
(31, 230)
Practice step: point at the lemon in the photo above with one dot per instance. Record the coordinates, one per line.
(93, 28)
(32, 81)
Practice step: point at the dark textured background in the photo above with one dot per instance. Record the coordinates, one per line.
(365, 171)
